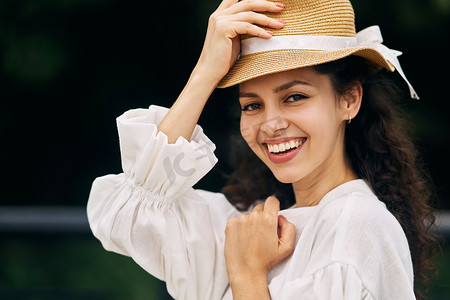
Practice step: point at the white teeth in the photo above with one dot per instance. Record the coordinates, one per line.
(284, 146)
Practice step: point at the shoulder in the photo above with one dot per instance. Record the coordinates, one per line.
(353, 206)
(366, 222)
(365, 235)
(354, 228)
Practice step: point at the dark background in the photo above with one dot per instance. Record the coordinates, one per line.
(68, 68)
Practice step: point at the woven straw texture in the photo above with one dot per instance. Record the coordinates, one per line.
(304, 17)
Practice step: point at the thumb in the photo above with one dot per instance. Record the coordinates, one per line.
(287, 236)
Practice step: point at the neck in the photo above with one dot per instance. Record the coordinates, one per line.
(310, 190)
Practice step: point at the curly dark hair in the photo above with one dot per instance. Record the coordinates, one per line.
(379, 146)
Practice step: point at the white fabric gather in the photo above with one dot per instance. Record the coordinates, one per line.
(370, 37)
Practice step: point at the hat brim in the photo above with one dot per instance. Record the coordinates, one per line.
(263, 63)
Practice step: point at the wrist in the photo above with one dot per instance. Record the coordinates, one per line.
(243, 279)
(185, 112)
(206, 74)
(249, 286)
(197, 90)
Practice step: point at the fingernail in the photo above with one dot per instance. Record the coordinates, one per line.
(280, 5)
(269, 32)
(281, 22)
(283, 217)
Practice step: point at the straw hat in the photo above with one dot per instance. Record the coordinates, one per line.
(316, 32)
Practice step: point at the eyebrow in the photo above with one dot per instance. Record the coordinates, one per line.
(289, 85)
(278, 89)
(247, 95)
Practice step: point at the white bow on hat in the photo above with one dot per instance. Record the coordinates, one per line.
(371, 37)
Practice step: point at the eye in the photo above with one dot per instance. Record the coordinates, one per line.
(251, 107)
(295, 98)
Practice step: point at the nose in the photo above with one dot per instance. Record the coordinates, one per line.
(274, 123)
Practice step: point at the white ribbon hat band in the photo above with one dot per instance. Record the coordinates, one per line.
(369, 37)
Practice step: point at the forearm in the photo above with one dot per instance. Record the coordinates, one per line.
(250, 288)
(185, 112)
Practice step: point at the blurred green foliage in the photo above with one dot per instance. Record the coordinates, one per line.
(36, 59)
(440, 289)
(57, 268)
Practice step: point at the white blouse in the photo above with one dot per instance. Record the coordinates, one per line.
(349, 246)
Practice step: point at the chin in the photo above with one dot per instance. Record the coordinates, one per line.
(287, 177)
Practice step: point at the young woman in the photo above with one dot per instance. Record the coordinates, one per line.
(318, 112)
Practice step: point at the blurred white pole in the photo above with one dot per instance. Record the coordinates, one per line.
(58, 219)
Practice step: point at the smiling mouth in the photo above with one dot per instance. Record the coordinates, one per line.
(284, 147)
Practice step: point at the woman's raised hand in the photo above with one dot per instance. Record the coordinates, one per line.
(253, 247)
(231, 19)
(220, 51)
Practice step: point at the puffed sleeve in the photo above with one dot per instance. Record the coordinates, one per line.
(152, 213)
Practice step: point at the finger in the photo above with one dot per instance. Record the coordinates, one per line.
(287, 236)
(250, 29)
(272, 205)
(259, 207)
(256, 18)
(231, 224)
(226, 4)
(255, 5)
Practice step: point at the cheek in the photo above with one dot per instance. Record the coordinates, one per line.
(310, 121)
(320, 125)
(325, 135)
(248, 131)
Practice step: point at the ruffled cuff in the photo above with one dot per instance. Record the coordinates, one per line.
(152, 164)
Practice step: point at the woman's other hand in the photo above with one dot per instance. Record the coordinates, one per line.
(231, 19)
(253, 247)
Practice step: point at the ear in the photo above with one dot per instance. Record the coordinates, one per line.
(351, 102)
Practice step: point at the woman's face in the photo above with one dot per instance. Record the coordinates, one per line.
(294, 124)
